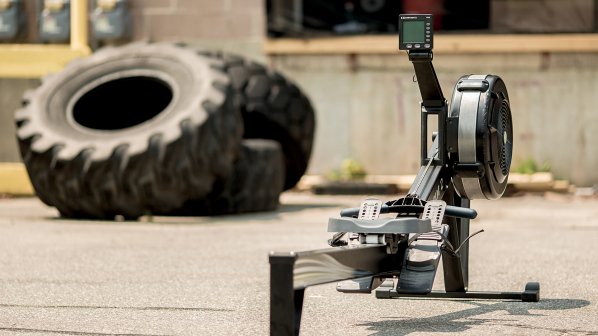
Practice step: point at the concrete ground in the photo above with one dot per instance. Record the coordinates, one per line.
(210, 276)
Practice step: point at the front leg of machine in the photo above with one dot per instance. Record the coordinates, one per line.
(286, 303)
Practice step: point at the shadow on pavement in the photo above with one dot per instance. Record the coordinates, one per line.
(464, 319)
(251, 216)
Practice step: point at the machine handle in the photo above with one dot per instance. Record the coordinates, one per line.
(453, 211)
(460, 212)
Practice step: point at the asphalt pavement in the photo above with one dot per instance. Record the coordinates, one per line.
(210, 276)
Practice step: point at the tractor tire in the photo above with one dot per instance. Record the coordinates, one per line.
(143, 128)
(273, 108)
(256, 183)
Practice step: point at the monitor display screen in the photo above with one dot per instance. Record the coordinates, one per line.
(414, 31)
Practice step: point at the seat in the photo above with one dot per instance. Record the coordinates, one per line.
(382, 225)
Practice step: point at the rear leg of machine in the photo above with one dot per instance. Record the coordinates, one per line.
(456, 266)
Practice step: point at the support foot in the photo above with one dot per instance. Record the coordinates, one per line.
(531, 293)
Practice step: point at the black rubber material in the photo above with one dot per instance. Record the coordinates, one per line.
(257, 181)
(494, 140)
(160, 165)
(273, 108)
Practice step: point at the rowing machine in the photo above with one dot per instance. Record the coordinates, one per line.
(469, 158)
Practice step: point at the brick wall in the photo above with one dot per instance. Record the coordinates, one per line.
(159, 20)
(189, 20)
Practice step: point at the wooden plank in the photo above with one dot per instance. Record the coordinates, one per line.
(36, 60)
(14, 180)
(538, 182)
(389, 44)
(79, 24)
(403, 182)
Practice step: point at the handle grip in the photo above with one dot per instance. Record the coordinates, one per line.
(460, 212)
(453, 211)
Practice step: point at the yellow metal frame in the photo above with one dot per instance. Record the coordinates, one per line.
(38, 60)
(389, 44)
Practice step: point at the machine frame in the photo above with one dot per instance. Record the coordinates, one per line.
(376, 264)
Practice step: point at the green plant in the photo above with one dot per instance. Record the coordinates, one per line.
(530, 166)
(351, 169)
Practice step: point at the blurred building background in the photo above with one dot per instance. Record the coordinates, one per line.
(345, 55)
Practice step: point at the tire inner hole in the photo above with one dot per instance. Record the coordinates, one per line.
(122, 103)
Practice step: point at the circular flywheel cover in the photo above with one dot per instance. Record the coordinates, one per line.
(485, 137)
